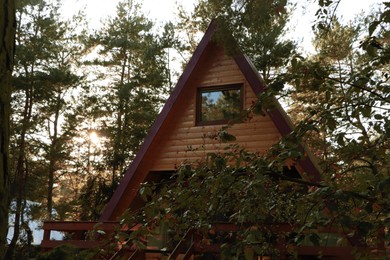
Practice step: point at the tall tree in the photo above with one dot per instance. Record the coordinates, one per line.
(47, 48)
(57, 150)
(7, 37)
(136, 80)
(136, 64)
(28, 56)
(60, 80)
(344, 95)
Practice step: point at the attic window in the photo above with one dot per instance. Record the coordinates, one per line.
(219, 105)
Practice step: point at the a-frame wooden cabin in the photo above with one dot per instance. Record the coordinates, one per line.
(180, 124)
(184, 121)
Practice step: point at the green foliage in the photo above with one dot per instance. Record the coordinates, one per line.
(257, 26)
(340, 104)
(234, 186)
(43, 123)
(132, 79)
(93, 197)
(343, 94)
(135, 65)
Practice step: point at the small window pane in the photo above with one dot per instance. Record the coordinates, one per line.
(221, 104)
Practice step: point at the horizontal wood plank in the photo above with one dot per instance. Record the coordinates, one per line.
(82, 225)
(252, 126)
(83, 244)
(68, 226)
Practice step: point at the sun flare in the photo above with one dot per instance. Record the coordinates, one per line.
(93, 137)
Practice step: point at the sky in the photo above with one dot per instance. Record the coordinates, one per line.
(158, 10)
(164, 10)
(303, 18)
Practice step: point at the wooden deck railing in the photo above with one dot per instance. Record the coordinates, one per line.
(190, 244)
(186, 244)
(79, 234)
(82, 234)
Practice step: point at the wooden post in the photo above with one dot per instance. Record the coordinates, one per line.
(46, 234)
(282, 246)
(381, 239)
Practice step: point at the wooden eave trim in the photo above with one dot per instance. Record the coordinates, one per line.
(123, 185)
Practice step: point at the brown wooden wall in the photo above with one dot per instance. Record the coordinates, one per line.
(178, 132)
(181, 140)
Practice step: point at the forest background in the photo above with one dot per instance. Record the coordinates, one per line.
(83, 101)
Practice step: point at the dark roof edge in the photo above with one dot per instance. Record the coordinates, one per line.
(117, 196)
(278, 115)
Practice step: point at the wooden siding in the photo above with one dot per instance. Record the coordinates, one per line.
(178, 138)
(183, 140)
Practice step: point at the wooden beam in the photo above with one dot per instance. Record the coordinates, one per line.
(82, 244)
(86, 225)
(79, 225)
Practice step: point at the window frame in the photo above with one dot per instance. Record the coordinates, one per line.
(201, 90)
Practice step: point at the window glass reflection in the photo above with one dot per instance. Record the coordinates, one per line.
(218, 105)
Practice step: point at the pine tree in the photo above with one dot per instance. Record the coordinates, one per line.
(47, 51)
(135, 84)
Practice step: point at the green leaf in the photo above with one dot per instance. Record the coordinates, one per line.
(299, 239)
(277, 86)
(321, 26)
(328, 95)
(372, 27)
(340, 140)
(297, 82)
(332, 206)
(226, 137)
(294, 62)
(101, 232)
(315, 239)
(145, 191)
(371, 51)
(368, 207)
(386, 222)
(366, 111)
(331, 123)
(384, 185)
(364, 227)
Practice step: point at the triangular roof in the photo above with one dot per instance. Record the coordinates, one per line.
(277, 114)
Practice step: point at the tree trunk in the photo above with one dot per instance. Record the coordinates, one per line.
(7, 44)
(53, 158)
(20, 182)
(50, 189)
